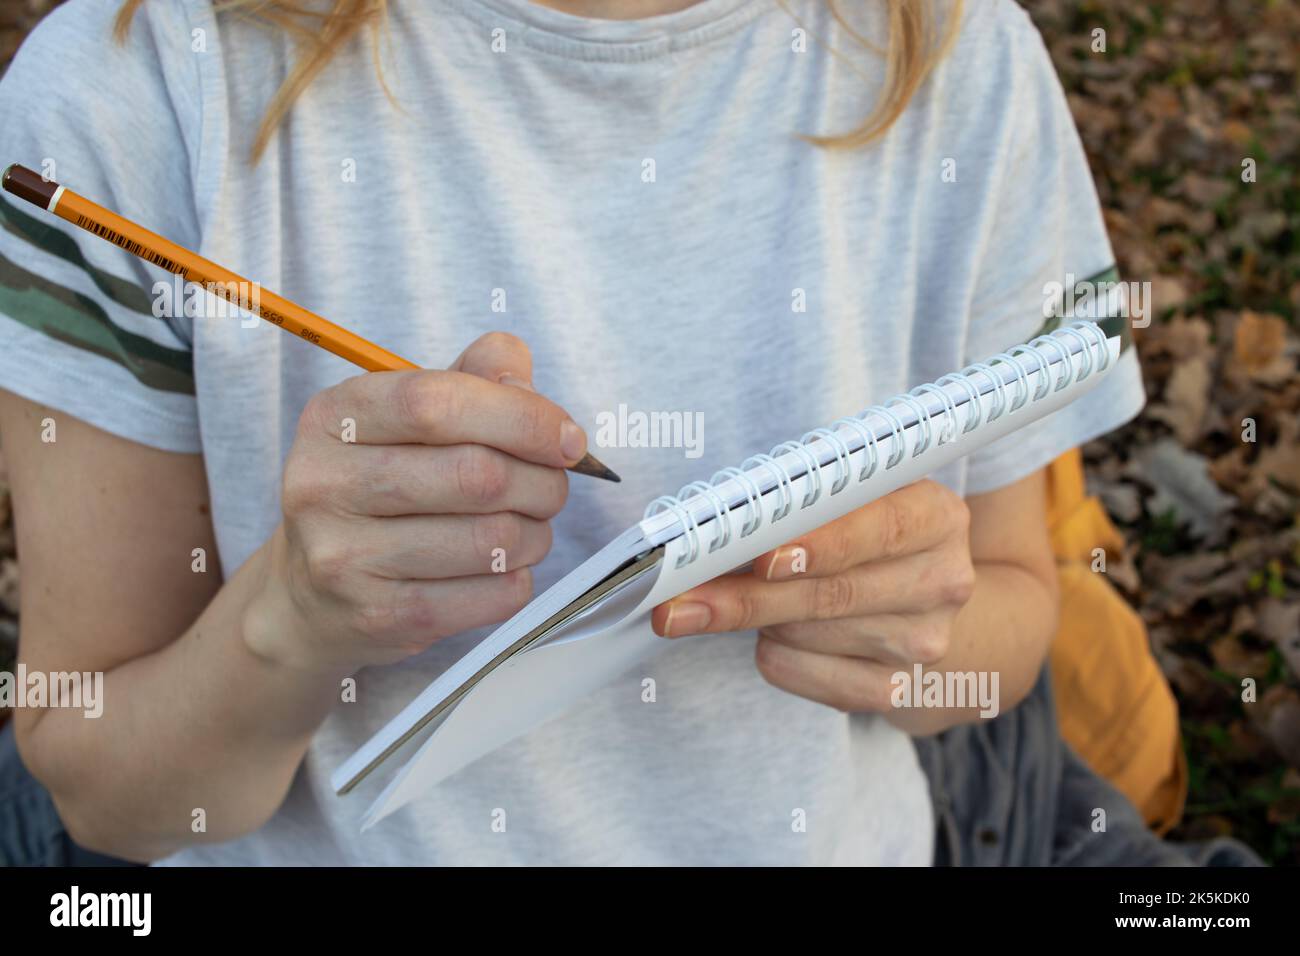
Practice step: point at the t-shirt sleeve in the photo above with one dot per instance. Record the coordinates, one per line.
(1047, 234)
(118, 124)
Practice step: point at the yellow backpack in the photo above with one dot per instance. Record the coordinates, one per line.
(1113, 703)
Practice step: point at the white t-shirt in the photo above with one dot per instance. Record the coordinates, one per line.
(637, 197)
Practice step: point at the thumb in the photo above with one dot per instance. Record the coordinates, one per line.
(497, 357)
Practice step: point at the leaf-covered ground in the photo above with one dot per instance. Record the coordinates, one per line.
(1191, 121)
(1187, 100)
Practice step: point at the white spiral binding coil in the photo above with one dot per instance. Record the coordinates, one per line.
(1088, 335)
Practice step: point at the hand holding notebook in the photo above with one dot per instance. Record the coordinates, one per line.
(594, 623)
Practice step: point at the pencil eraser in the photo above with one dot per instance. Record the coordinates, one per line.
(29, 185)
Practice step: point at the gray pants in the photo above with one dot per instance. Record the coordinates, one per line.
(1011, 792)
(1006, 792)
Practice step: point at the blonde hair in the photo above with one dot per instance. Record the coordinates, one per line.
(913, 47)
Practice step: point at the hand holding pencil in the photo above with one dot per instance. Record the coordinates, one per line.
(428, 525)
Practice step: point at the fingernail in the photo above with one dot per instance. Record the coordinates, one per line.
(507, 378)
(782, 565)
(573, 441)
(686, 617)
(774, 568)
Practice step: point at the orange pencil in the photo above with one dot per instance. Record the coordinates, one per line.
(293, 318)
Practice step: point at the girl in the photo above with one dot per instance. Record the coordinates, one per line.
(770, 213)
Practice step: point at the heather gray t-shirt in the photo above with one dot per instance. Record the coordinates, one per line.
(632, 198)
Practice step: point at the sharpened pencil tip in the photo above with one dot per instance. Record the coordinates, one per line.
(589, 465)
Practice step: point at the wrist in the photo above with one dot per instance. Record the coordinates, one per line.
(272, 627)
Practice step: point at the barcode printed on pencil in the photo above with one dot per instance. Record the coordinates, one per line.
(132, 247)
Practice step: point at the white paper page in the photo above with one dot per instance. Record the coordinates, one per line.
(547, 680)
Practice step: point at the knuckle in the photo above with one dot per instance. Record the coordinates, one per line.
(381, 486)
(425, 397)
(839, 549)
(833, 597)
(369, 620)
(410, 397)
(959, 584)
(928, 643)
(896, 528)
(525, 585)
(503, 530)
(535, 422)
(741, 610)
(956, 510)
(329, 567)
(481, 477)
(415, 613)
(519, 589)
(544, 537)
(553, 490)
(316, 413)
(303, 487)
(324, 410)
(406, 611)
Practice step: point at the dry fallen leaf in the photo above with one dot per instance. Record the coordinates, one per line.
(1233, 657)
(1259, 339)
(1192, 679)
(1280, 461)
(1186, 400)
(1279, 720)
(1175, 583)
(1231, 470)
(1182, 484)
(1167, 293)
(1279, 622)
(1182, 338)
(1259, 348)
(1120, 498)
(1202, 190)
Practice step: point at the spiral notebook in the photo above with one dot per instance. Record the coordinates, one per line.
(594, 624)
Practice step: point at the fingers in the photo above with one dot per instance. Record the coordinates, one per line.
(913, 519)
(898, 639)
(419, 479)
(742, 602)
(410, 615)
(428, 547)
(845, 683)
(447, 408)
